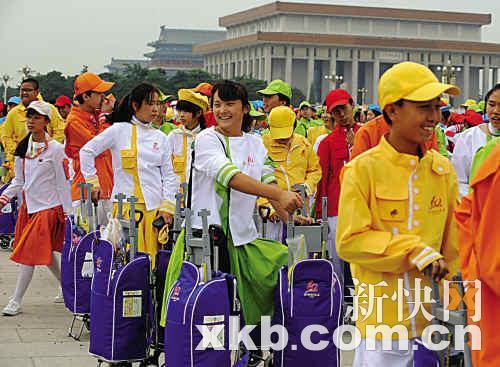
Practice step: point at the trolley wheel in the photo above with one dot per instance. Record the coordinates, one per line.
(5, 242)
(11, 243)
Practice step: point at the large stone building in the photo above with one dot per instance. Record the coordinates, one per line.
(314, 47)
(174, 48)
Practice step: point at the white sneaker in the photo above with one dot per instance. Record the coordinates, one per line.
(12, 309)
(59, 298)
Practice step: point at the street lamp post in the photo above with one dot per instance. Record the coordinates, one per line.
(448, 74)
(336, 79)
(5, 79)
(363, 92)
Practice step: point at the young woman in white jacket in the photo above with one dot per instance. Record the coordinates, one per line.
(41, 172)
(142, 167)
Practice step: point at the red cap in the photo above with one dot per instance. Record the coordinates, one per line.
(338, 97)
(456, 118)
(473, 118)
(204, 88)
(87, 82)
(63, 101)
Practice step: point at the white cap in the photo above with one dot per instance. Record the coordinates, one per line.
(43, 108)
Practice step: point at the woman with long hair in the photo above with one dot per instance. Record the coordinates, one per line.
(140, 163)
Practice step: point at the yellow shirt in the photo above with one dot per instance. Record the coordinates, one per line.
(396, 216)
(14, 129)
(298, 165)
(314, 132)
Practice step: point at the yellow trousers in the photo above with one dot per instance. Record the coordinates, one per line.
(147, 235)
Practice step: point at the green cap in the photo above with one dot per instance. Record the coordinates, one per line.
(304, 104)
(275, 87)
(256, 114)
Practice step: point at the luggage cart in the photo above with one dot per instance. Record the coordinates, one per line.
(157, 345)
(76, 263)
(191, 302)
(121, 297)
(8, 219)
(450, 319)
(315, 234)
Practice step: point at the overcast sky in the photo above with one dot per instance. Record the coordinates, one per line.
(64, 35)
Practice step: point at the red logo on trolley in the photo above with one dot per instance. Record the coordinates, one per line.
(312, 289)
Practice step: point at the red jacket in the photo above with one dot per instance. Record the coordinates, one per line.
(333, 153)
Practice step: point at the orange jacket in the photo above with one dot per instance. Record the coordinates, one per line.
(479, 236)
(82, 126)
(369, 135)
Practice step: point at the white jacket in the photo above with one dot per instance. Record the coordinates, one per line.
(154, 166)
(44, 180)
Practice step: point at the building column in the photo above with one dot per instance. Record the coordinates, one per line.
(486, 77)
(376, 77)
(255, 66)
(288, 65)
(310, 72)
(466, 90)
(268, 64)
(354, 75)
(495, 77)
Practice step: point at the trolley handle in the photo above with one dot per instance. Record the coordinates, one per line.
(264, 212)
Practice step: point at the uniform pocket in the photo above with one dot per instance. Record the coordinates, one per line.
(129, 159)
(179, 164)
(392, 205)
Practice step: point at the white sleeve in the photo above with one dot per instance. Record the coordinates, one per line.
(462, 161)
(17, 182)
(62, 184)
(211, 160)
(170, 181)
(92, 149)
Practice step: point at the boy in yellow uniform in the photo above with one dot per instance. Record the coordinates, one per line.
(396, 215)
(293, 158)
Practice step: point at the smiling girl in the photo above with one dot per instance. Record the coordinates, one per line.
(40, 168)
(229, 173)
(141, 164)
(474, 138)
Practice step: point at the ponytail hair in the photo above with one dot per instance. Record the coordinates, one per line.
(22, 147)
(142, 93)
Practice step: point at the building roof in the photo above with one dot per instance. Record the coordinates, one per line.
(188, 36)
(347, 40)
(352, 11)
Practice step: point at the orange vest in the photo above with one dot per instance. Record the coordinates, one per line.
(479, 238)
(82, 126)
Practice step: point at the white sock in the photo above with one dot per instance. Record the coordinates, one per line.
(23, 281)
(55, 267)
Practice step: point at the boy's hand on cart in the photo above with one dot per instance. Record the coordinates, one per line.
(303, 221)
(95, 194)
(290, 201)
(274, 217)
(438, 269)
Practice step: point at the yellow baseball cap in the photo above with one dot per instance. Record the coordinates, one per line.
(412, 82)
(281, 120)
(195, 98)
(469, 102)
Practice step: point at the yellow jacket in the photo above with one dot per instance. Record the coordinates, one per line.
(299, 165)
(14, 129)
(396, 217)
(314, 132)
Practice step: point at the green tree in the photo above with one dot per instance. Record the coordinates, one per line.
(297, 96)
(53, 84)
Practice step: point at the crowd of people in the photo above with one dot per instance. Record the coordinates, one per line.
(410, 181)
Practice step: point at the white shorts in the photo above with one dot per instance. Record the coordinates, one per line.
(379, 357)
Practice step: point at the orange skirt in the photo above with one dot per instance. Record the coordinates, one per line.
(37, 235)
